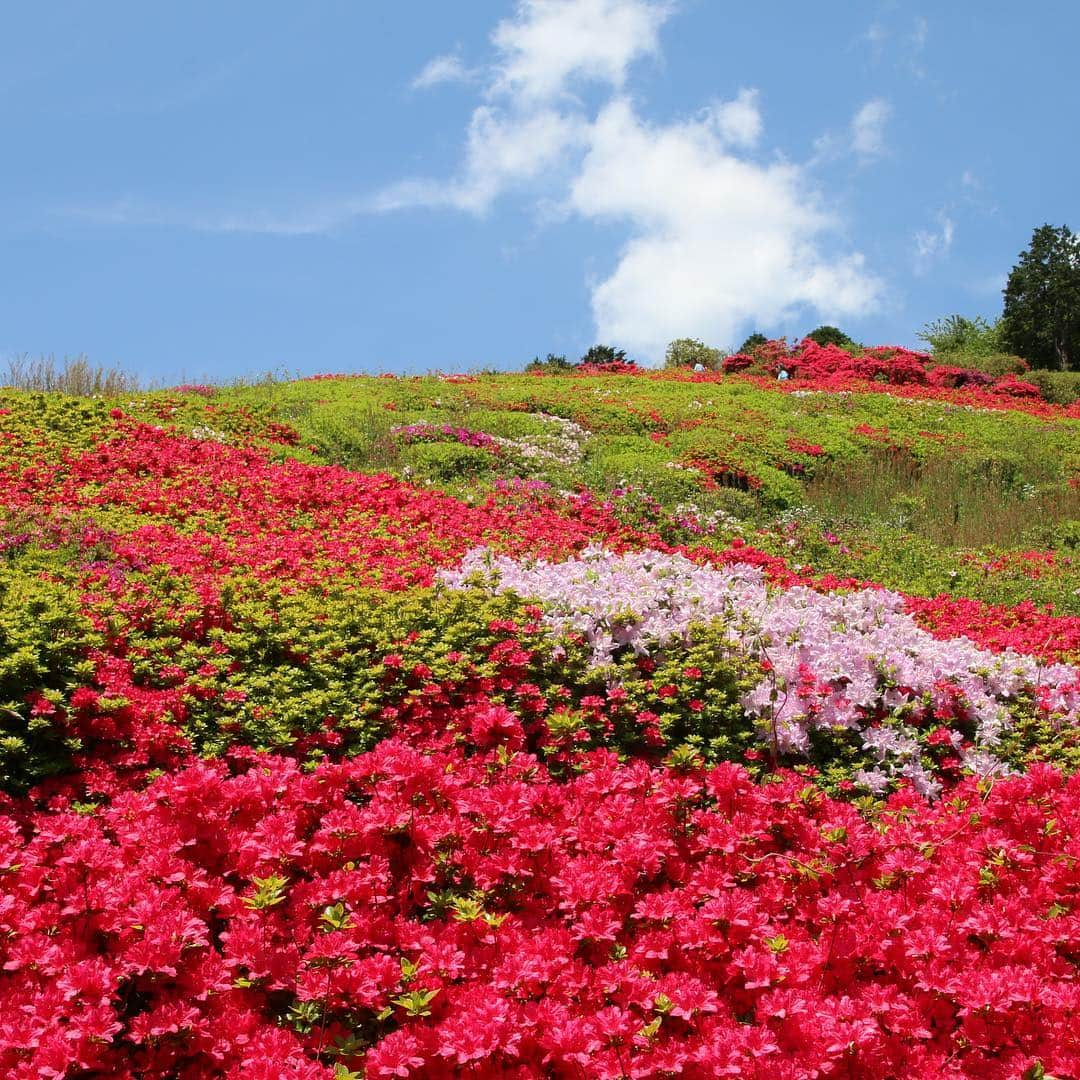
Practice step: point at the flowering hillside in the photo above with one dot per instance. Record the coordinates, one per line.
(605, 724)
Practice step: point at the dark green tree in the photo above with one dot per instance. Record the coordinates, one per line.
(752, 342)
(552, 363)
(605, 354)
(1041, 320)
(830, 335)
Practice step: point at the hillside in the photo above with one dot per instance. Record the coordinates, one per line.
(610, 723)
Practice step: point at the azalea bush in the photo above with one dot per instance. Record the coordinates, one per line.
(416, 912)
(851, 662)
(576, 736)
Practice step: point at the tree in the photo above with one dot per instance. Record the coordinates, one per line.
(752, 342)
(605, 354)
(686, 352)
(830, 335)
(956, 334)
(553, 363)
(1041, 320)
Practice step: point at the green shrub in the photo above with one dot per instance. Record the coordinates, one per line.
(1056, 534)
(446, 462)
(737, 504)
(293, 665)
(358, 440)
(704, 713)
(43, 638)
(308, 661)
(605, 354)
(996, 364)
(1058, 387)
(551, 363)
(623, 462)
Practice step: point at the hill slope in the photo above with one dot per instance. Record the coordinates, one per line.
(605, 724)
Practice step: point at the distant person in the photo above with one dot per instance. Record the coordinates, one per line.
(783, 374)
(699, 366)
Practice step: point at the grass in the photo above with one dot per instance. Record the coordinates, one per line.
(74, 375)
(950, 500)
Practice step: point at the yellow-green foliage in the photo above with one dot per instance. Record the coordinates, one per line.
(43, 643)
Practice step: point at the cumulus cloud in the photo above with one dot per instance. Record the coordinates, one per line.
(718, 236)
(718, 242)
(868, 128)
(549, 44)
(530, 119)
(500, 151)
(738, 122)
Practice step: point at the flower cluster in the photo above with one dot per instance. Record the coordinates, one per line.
(1024, 627)
(420, 913)
(424, 432)
(833, 661)
(563, 445)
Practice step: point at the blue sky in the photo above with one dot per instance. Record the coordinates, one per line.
(216, 190)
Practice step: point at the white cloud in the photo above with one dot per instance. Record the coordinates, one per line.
(550, 43)
(719, 243)
(442, 69)
(933, 244)
(868, 128)
(738, 122)
(864, 137)
(501, 150)
(530, 120)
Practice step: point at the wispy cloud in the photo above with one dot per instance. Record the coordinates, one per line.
(868, 129)
(309, 220)
(872, 41)
(901, 42)
(932, 245)
(863, 138)
(447, 68)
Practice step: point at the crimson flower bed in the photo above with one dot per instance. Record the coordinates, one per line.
(420, 911)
